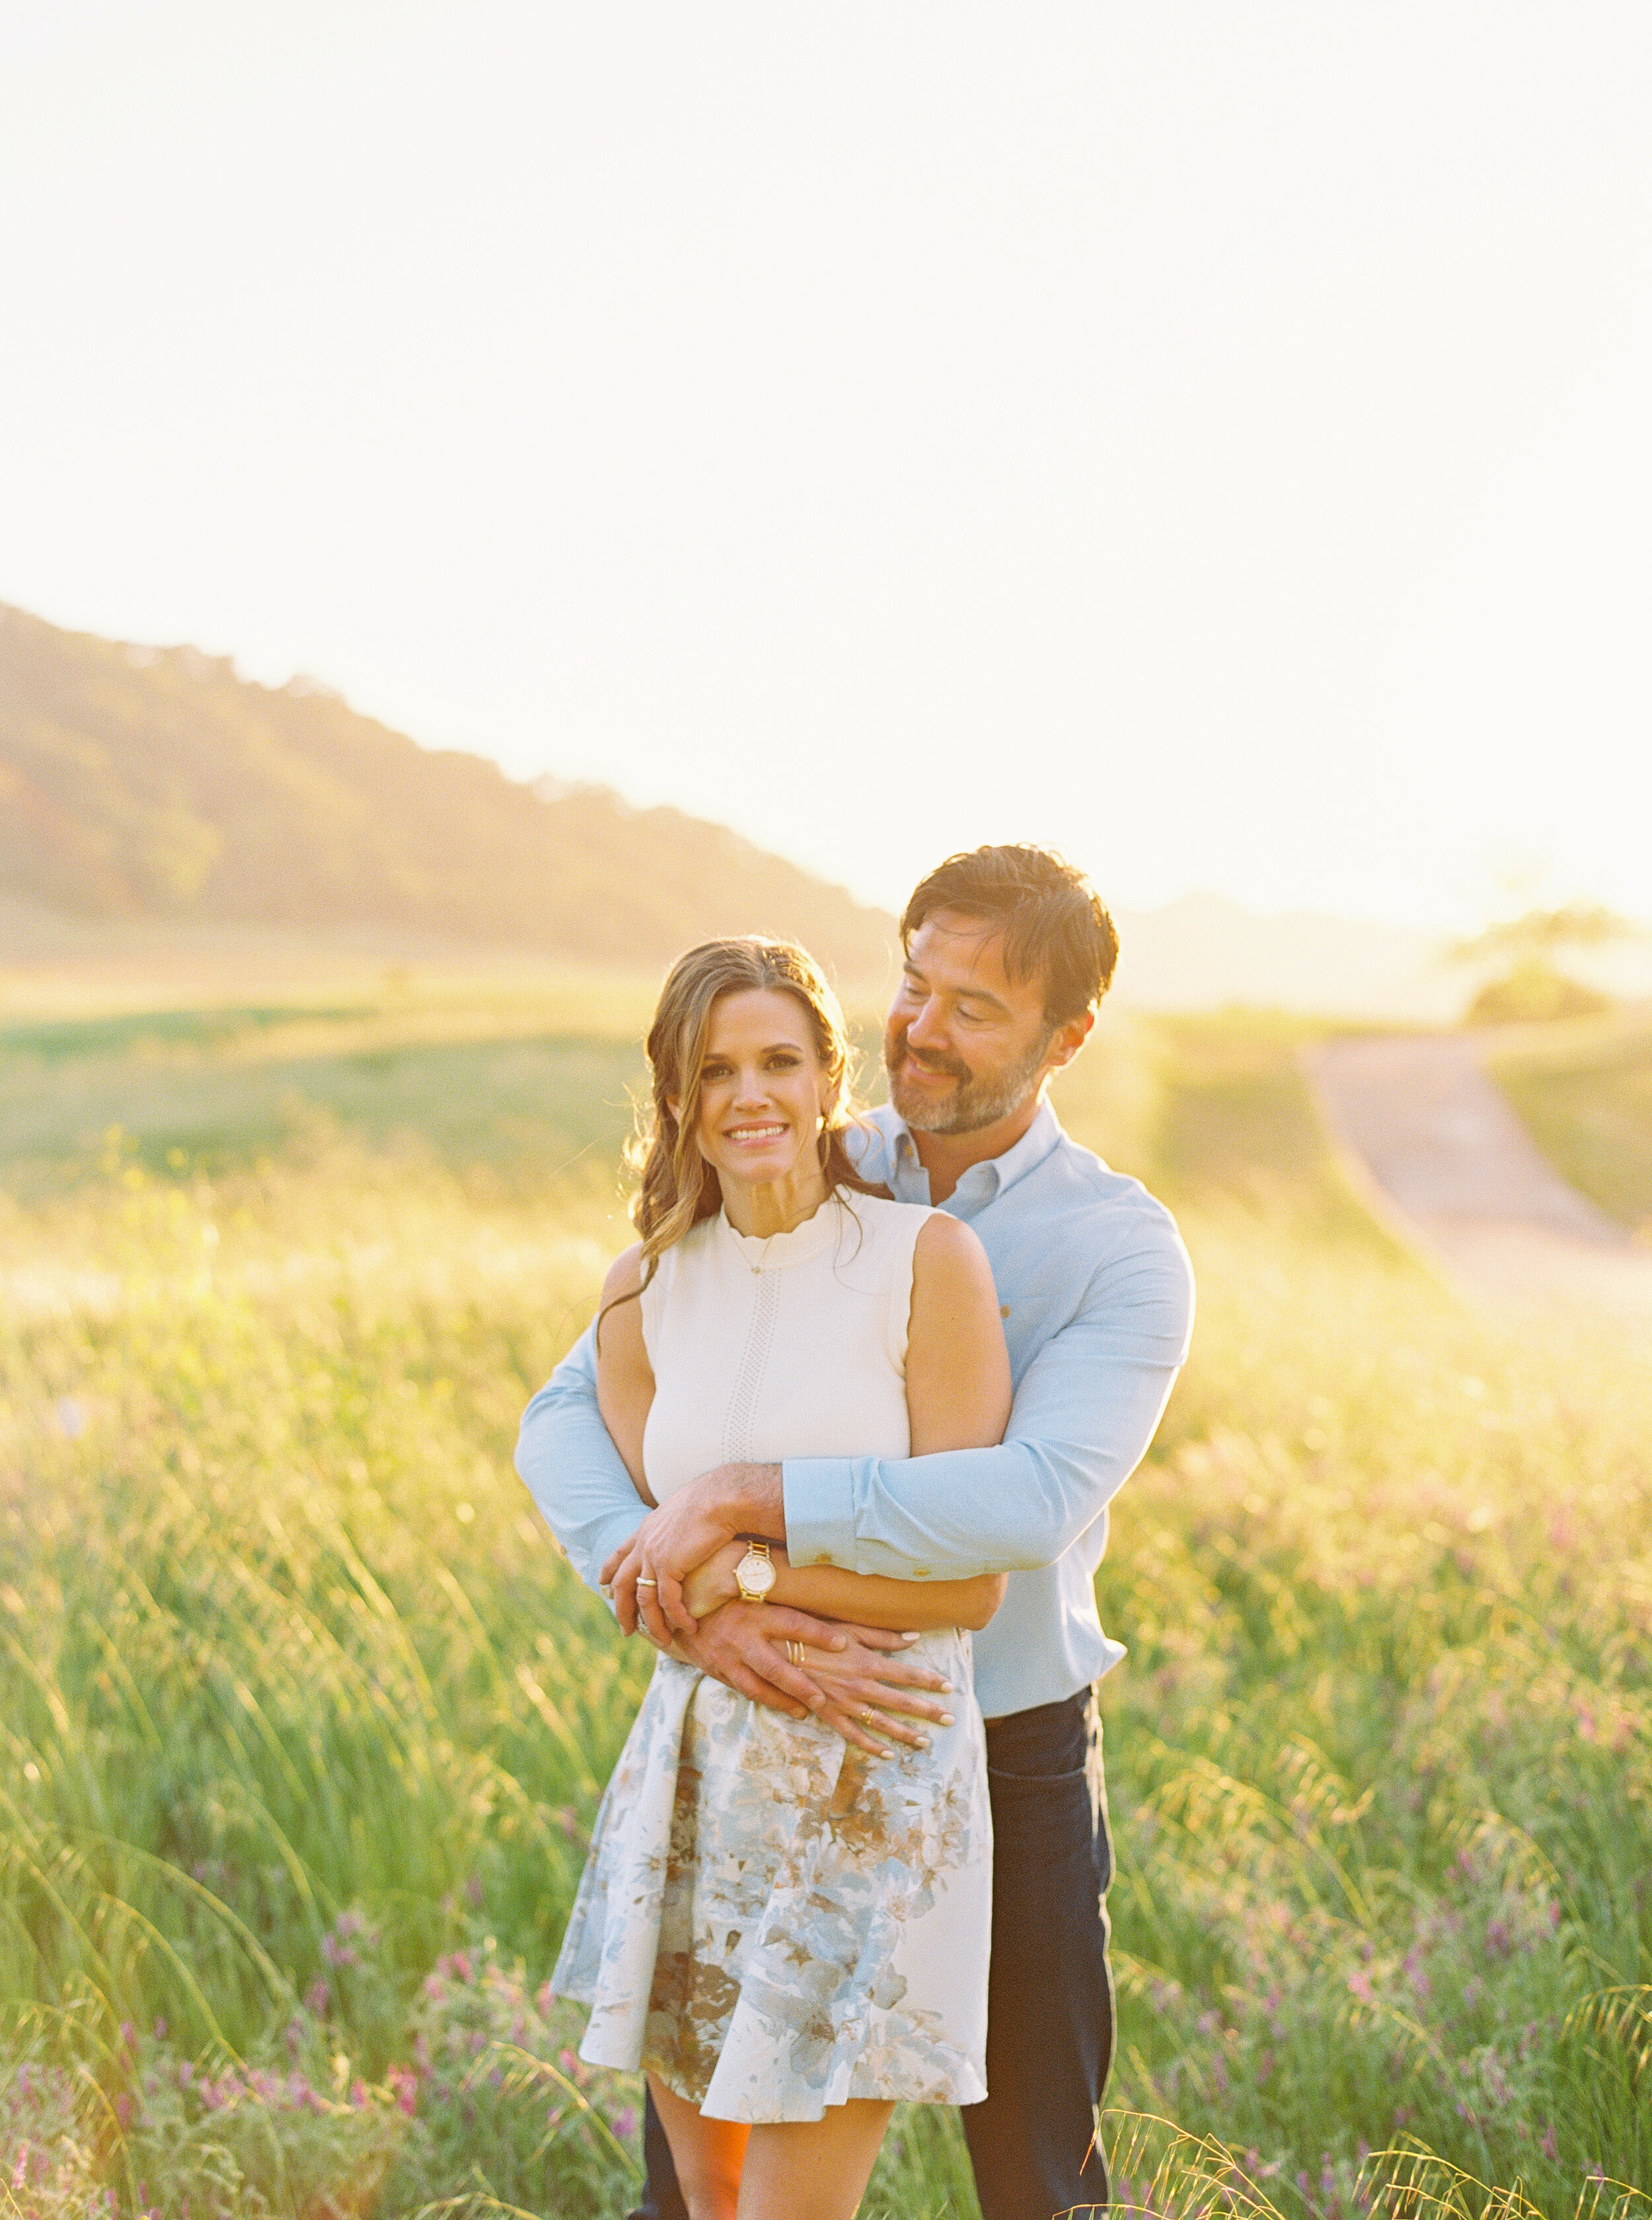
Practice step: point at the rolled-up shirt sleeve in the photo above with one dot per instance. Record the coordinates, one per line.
(1084, 1412)
(575, 1475)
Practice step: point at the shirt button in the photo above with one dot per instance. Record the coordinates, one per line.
(825, 1557)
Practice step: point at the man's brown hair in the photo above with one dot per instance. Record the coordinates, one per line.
(1054, 926)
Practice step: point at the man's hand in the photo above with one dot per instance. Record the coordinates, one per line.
(689, 1527)
(713, 1583)
(849, 1676)
(646, 1578)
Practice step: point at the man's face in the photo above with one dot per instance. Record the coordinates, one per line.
(965, 1044)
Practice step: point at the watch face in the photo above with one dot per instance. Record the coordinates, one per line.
(756, 1574)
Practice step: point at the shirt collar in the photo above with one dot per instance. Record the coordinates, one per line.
(983, 1182)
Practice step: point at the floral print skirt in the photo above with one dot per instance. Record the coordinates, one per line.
(774, 1922)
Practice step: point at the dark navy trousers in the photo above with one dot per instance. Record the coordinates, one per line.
(1050, 1994)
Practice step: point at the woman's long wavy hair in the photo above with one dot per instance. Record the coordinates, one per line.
(678, 1187)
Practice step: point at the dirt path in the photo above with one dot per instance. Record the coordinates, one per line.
(1445, 1162)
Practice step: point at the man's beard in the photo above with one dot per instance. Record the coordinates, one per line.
(978, 1099)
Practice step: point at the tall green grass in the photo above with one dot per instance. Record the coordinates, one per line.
(1380, 1756)
(304, 1718)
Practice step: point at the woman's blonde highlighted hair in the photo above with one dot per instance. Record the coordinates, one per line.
(678, 1187)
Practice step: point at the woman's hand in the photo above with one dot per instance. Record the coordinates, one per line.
(712, 1583)
(872, 1698)
(852, 1678)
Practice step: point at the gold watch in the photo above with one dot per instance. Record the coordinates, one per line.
(755, 1575)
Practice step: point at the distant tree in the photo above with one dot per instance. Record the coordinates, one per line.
(1532, 987)
(1540, 934)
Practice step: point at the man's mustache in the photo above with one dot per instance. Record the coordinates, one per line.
(949, 1065)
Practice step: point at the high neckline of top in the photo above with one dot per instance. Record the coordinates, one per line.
(772, 1252)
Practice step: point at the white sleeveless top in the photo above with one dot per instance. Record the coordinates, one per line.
(792, 1346)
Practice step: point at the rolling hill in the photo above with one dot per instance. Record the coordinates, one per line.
(148, 783)
(152, 798)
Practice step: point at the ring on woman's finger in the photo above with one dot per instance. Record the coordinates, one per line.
(796, 1652)
(643, 1581)
(866, 1718)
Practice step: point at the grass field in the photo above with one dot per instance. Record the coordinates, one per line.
(304, 1718)
(1585, 1091)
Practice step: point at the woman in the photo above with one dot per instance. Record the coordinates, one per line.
(787, 1933)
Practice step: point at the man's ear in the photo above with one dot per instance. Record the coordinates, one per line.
(1068, 1040)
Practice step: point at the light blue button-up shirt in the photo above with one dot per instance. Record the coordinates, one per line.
(1096, 1292)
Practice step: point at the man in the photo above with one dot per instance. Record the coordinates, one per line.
(1008, 951)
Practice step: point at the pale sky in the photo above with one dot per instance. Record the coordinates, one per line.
(1213, 438)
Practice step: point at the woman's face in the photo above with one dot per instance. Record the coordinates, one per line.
(762, 1091)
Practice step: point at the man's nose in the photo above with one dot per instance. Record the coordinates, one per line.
(928, 1029)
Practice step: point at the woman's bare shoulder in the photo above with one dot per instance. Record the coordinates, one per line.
(950, 1269)
(946, 1244)
(624, 1274)
(620, 1338)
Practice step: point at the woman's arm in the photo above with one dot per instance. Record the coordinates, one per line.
(856, 1598)
(958, 1398)
(625, 1378)
(957, 1367)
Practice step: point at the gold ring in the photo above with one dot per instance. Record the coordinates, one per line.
(643, 1581)
(866, 1718)
(795, 1651)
